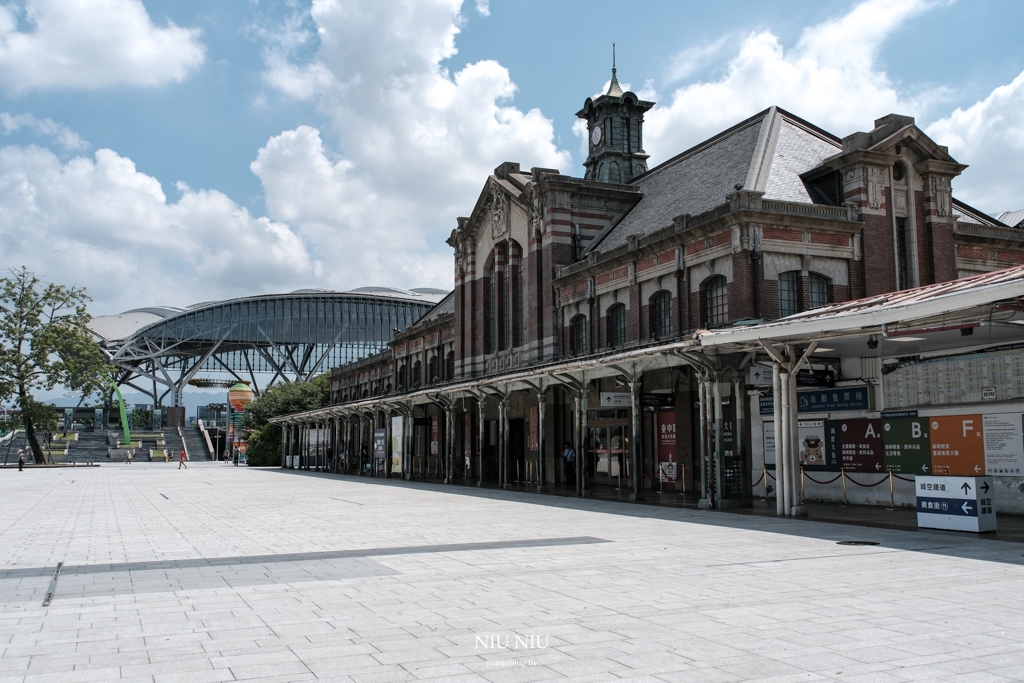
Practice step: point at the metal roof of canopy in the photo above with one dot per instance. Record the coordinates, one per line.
(922, 321)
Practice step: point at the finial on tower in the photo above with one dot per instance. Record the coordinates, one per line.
(613, 88)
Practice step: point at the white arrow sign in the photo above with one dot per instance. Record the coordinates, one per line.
(966, 507)
(878, 466)
(977, 469)
(924, 468)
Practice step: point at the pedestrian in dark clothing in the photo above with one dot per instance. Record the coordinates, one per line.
(21, 460)
(570, 463)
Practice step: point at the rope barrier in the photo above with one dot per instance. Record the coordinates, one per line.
(771, 475)
(836, 478)
(903, 478)
(868, 486)
(758, 480)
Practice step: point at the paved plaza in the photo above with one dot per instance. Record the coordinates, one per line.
(220, 573)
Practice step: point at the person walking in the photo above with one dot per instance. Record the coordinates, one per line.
(569, 455)
(128, 457)
(21, 460)
(181, 460)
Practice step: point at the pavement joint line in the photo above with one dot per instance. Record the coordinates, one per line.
(346, 501)
(116, 567)
(824, 557)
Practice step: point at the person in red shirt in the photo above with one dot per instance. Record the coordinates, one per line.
(181, 460)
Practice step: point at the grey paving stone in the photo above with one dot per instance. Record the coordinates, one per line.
(190, 589)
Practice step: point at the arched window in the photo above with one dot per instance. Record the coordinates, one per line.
(449, 372)
(617, 325)
(403, 377)
(578, 335)
(417, 374)
(789, 293)
(714, 302)
(819, 290)
(432, 375)
(661, 315)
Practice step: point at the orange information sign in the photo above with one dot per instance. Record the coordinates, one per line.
(958, 445)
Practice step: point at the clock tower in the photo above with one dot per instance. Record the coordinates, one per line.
(615, 138)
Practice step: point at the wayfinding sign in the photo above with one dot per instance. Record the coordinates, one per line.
(956, 503)
(1004, 444)
(907, 448)
(957, 445)
(855, 445)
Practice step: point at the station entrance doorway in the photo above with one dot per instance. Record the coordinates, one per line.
(608, 438)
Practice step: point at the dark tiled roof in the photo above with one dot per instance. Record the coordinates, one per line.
(767, 153)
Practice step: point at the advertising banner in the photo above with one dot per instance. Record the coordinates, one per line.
(434, 443)
(769, 444)
(397, 443)
(666, 423)
(380, 444)
(811, 437)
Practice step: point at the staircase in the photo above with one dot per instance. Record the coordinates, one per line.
(195, 443)
(173, 442)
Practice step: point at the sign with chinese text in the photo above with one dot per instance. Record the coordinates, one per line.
(1004, 444)
(957, 445)
(824, 400)
(666, 426)
(907, 448)
(616, 399)
(854, 445)
(397, 442)
(956, 503)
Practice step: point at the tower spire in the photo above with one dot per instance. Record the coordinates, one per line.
(614, 89)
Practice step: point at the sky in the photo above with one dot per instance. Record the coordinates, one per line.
(167, 152)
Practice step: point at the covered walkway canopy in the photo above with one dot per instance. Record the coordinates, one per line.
(279, 337)
(955, 317)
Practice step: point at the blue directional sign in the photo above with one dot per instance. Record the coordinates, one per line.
(824, 400)
(956, 503)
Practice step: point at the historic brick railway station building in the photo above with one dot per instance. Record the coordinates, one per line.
(580, 303)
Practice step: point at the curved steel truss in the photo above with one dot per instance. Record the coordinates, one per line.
(287, 337)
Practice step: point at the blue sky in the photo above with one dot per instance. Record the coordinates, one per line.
(173, 152)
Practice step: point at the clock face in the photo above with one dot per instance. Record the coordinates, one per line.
(595, 135)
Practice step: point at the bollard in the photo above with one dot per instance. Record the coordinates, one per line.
(842, 472)
(802, 484)
(892, 500)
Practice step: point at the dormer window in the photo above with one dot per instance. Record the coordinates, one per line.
(899, 172)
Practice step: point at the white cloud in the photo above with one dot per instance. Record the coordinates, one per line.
(695, 58)
(101, 223)
(59, 133)
(483, 8)
(417, 141)
(989, 136)
(830, 77)
(88, 45)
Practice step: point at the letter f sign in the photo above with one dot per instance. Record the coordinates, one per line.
(968, 426)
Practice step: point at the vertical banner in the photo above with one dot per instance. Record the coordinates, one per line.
(380, 444)
(957, 445)
(666, 424)
(397, 443)
(434, 444)
(907, 447)
(768, 426)
(534, 445)
(1004, 444)
(468, 443)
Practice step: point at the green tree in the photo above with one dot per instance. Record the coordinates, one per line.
(263, 444)
(44, 343)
